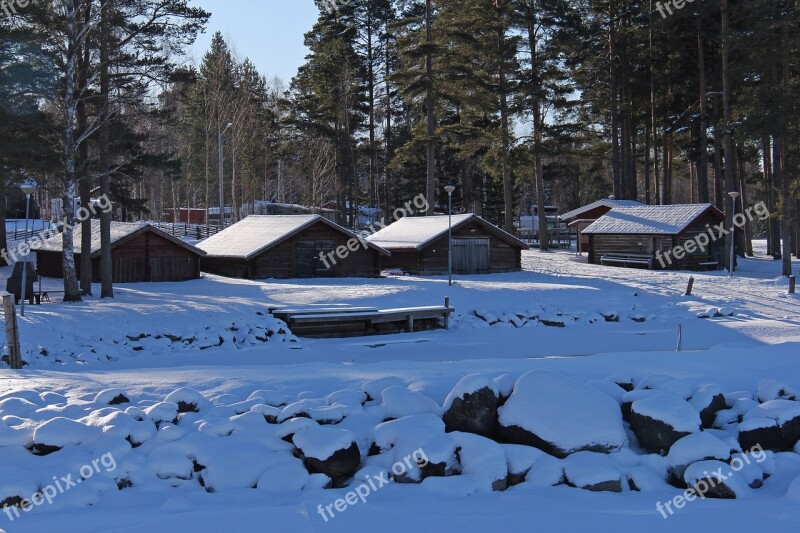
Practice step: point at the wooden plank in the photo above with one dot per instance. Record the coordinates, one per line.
(12, 331)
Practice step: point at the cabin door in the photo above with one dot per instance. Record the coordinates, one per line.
(470, 256)
(307, 259)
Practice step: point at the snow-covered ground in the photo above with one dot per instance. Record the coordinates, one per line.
(591, 325)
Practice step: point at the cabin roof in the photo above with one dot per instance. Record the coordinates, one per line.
(605, 202)
(415, 233)
(121, 232)
(258, 233)
(650, 219)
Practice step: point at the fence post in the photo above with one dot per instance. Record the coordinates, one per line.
(12, 332)
(792, 284)
(447, 313)
(690, 286)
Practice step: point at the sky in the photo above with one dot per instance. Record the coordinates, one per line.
(269, 32)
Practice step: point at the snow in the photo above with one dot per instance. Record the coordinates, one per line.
(781, 411)
(696, 447)
(585, 469)
(255, 478)
(605, 202)
(398, 402)
(772, 389)
(469, 385)
(258, 233)
(669, 409)
(322, 442)
(119, 231)
(415, 232)
(648, 219)
(63, 432)
(567, 414)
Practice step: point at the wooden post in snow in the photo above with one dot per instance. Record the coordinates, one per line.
(690, 286)
(12, 332)
(792, 284)
(447, 313)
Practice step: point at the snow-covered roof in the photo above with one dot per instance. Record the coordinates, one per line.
(649, 219)
(120, 231)
(417, 232)
(606, 202)
(258, 233)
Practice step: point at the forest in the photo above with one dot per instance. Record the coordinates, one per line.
(518, 103)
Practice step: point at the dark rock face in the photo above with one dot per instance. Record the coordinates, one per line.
(518, 435)
(605, 486)
(44, 449)
(714, 488)
(654, 435)
(708, 414)
(474, 413)
(778, 438)
(340, 466)
(119, 400)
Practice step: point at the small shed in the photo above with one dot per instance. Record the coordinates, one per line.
(140, 253)
(419, 245)
(663, 237)
(290, 246)
(582, 217)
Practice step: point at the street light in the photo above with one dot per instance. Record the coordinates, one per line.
(222, 174)
(450, 189)
(28, 187)
(734, 195)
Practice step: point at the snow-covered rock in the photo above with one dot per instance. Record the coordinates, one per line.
(374, 388)
(715, 479)
(187, 400)
(667, 384)
(561, 416)
(773, 425)
(661, 420)
(398, 402)
(593, 471)
(692, 448)
(327, 450)
(770, 389)
(111, 397)
(708, 401)
(60, 432)
(472, 406)
(290, 476)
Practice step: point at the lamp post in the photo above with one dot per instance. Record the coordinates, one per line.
(734, 195)
(222, 174)
(450, 189)
(29, 187)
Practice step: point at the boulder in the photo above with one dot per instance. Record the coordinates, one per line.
(690, 449)
(471, 406)
(592, 471)
(715, 479)
(561, 416)
(773, 425)
(329, 451)
(708, 401)
(661, 420)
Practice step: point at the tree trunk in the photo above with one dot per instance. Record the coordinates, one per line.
(508, 186)
(430, 180)
(106, 262)
(730, 176)
(746, 238)
(614, 76)
(769, 193)
(702, 163)
(787, 202)
(538, 125)
(82, 164)
(72, 292)
(3, 235)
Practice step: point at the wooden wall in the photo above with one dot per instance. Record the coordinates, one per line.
(146, 257)
(432, 260)
(602, 244)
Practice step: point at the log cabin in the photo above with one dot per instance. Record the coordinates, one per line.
(641, 236)
(419, 245)
(140, 253)
(582, 217)
(289, 246)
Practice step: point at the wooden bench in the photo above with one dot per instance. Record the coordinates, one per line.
(358, 321)
(628, 259)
